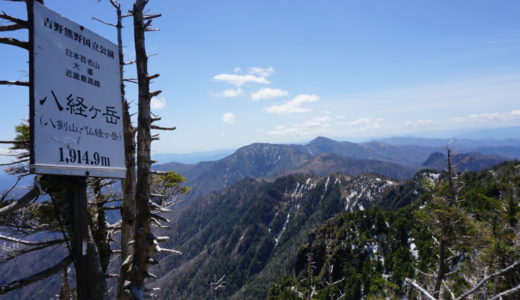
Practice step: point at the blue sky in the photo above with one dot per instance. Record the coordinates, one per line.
(237, 72)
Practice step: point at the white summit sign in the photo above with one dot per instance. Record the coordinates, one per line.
(76, 110)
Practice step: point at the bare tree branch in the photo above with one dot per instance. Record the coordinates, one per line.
(23, 201)
(103, 22)
(17, 21)
(476, 287)
(154, 94)
(505, 293)
(16, 252)
(14, 162)
(21, 83)
(149, 17)
(29, 243)
(12, 27)
(2, 199)
(14, 142)
(150, 77)
(162, 128)
(115, 4)
(36, 277)
(418, 287)
(132, 80)
(14, 42)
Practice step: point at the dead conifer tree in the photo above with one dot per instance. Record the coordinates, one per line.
(127, 208)
(143, 237)
(145, 243)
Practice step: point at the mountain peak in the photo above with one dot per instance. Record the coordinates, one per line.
(321, 140)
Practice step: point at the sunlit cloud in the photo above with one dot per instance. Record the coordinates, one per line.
(296, 105)
(255, 75)
(239, 80)
(262, 72)
(228, 118)
(229, 93)
(488, 117)
(311, 127)
(418, 123)
(158, 103)
(268, 93)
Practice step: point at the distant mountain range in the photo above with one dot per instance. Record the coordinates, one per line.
(323, 156)
(463, 162)
(459, 144)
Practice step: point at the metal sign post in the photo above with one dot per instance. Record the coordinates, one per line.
(80, 229)
(75, 120)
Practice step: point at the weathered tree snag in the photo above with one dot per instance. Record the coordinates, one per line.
(143, 237)
(128, 202)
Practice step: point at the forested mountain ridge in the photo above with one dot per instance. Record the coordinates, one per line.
(250, 232)
(370, 254)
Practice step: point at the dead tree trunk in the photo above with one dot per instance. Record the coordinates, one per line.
(144, 240)
(128, 202)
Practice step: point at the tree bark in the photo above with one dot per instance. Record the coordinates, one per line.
(128, 202)
(143, 246)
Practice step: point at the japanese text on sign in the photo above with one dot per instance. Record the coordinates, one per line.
(77, 119)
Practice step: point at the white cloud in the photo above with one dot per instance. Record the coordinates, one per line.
(328, 125)
(418, 122)
(230, 93)
(488, 117)
(255, 75)
(366, 123)
(158, 103)
(268, 93)
(228, 118)
(262, 72)
(239, 80)
(293, 106)
(311, 127)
